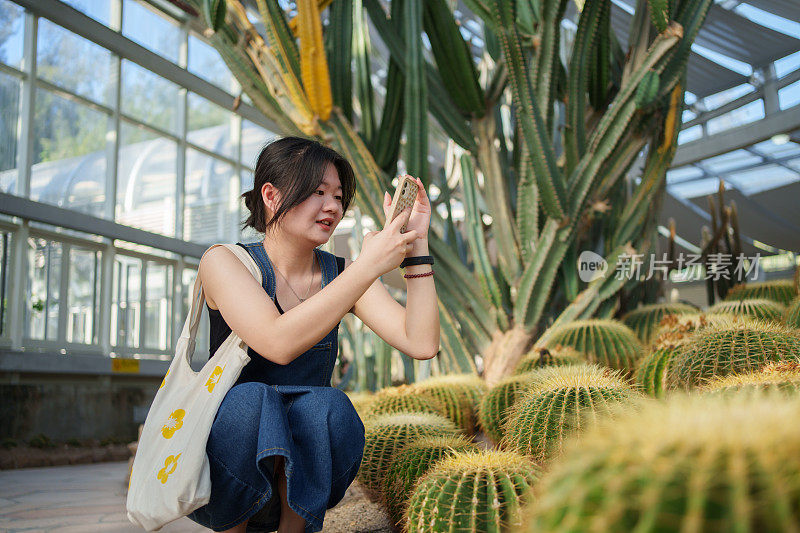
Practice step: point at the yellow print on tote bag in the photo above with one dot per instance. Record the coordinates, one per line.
(170, 476)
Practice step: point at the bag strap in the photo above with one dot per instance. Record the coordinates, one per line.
(192, 323)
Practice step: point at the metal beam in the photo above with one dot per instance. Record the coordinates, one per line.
(71, 219)
(75, 21)
(727, 141)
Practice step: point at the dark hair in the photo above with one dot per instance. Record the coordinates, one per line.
(296, 167)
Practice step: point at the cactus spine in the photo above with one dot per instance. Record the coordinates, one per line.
(780, 291)
(760, 308)
(780, 377)
(606, 342)
(645, 320)
(404, 398)
(493, 409)
(792, 316)
(457, 394)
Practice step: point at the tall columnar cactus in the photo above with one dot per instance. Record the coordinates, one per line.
(404, 398)
(561, 402)
(792, 316)
(780, 291)
(385, 434)
(780, 377)
(544, 357)
(606, 342)
(455, 394)
(691, 464)
(412, 461)
(493, 409)
(724, 349)
(759, 308)
(545, 187)
(645, 320)
(472, 492)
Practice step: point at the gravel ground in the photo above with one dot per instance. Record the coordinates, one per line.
(358, 512)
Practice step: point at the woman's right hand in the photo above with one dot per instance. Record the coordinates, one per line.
(384, 250)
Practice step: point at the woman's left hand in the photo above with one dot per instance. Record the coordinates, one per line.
(420, 214)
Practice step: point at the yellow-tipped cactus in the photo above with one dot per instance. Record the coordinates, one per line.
(361, 402)
(758, 308)
(493, 410)
(472, 492)
(645, 320)
(781, 291)
(792, 316)
(782, 377)
(713, 464)
(606, 342)
(385, 434)
(544, 357)
(458, 394)
(412, 461)
(558, 404)
(738, 347)
(401, 399)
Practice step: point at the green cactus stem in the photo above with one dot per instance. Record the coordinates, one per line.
(755, 308)
(792, 316)
(645, 320)
(404, 398)
(606, 342)
(781, 377)
(780, 291)
(459, 395)
(544, 357)
(472, 492)
(493, 409)
(560, 402)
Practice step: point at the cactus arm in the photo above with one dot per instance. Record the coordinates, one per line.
(495, 182)
(455, 349)
(449, 260)
(453, 58)
(415, 93)
(600, 66)
(547, 62)
(527, 206)
(477, 242)
(441, 106)
(214, 13)
(321, 5)
(339, 47)
(690, 15)
(473, 331)
(582, 55)
(313, 63)
(659, 13)
(615, 122)
(387, 141)
(482, 9)
(279, 36)
(548, 176)
(530, 275)
(362, 53)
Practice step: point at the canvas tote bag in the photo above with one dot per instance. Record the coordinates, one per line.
(170, 476)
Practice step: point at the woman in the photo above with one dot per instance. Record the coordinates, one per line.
(284, 445)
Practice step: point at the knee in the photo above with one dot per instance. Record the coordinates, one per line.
(341, 413)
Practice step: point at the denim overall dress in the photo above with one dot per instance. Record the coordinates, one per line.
(288, 410)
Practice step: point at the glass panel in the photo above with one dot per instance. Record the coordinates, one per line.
(100, 10)
(157, 309)
(83, 295)
(201, 350)
(731, 161)
(787, 64)
(747, 113)
(146, 180)
(126, 301)
(211, 126)
(789, 96)
(150, 29)
(204, 61)
(254, 138)
(728, 95)
(149, 97)
(74, 63)
(690, 134)
(5, 259)
(212, 206)
(9, 114)
(12, 30)
(69, 154)
(42, 295)
(762, 178)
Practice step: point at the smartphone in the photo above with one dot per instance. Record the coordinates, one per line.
(404, 197)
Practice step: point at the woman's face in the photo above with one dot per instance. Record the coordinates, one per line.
(317, 216)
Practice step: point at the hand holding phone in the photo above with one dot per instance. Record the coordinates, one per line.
(404, 197)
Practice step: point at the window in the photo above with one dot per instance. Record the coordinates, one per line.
(149, 98)
(9, 115)
(211, 205)
(211, 127)
(152, 30)
(12, 29)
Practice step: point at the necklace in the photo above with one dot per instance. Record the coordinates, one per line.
(290, 287)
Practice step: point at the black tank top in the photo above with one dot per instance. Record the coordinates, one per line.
(219, 329)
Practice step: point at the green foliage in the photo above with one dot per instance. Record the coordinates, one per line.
(560, 402)
(714, 464)
(759, 308)
(544, 357)
(780, 291)
(606, 342)
(8, 443)
(41, 441)
(738, 347)
(385, 434)
(412, 461)
(214, 13)
(650, 372)
(472, 492)
(493, 409)
(404, 398)
(645, 320)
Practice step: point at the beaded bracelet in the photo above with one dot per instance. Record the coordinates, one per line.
(424, 274)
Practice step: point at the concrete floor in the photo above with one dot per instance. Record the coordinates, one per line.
(91, 498)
